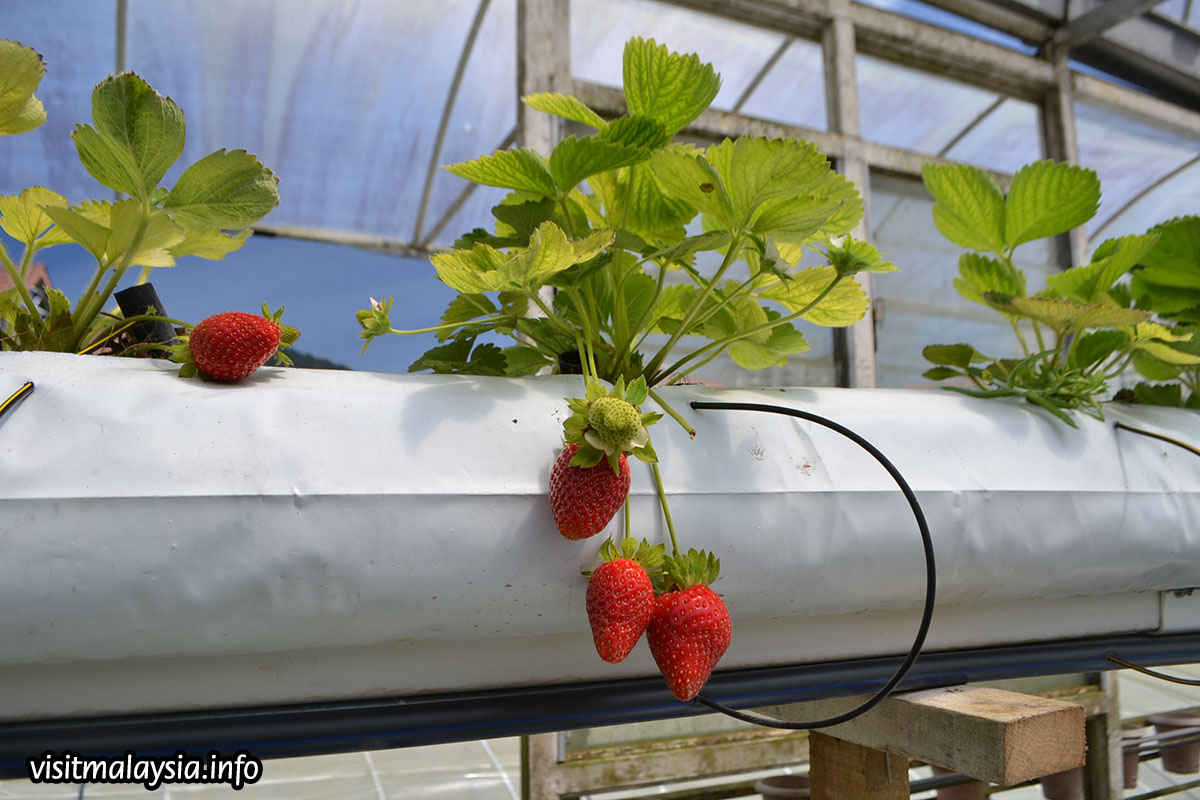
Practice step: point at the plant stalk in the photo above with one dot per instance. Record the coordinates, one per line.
(22, 290)
(673, 414)
(662, 500)
(689, 318)
(720, 344)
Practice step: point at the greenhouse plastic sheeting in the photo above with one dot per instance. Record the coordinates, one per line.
(171, 543)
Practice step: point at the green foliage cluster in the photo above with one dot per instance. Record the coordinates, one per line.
(1136, 303)
(136, 135)
(605, 217)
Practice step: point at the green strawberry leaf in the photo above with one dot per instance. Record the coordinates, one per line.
(781, 341)
(1167, 354)
(462, 357)
(204, 241)
(159, 234)
(637, 392)
(681, 250)
(845, 304)
(952, 355)
(565, 106)
(1092, 348)
(1048, 198)
(226, 189)
(521, 169)
(522, 361)
(22, 217)
(689, 177)
(1063, 316)
(76, 223)
(464, 308)
(574, 159)
(636, 196)
(1091, 282)
(670, 88)
(471, 271)
(1150, 367)
(21, 72)
(523, 216)
(978, 274)
(138, 135)
(757, 170)
(942, 373)
(635, 132)
(796, 219)
(1159, 395)
(1178, 247)
(968, 207)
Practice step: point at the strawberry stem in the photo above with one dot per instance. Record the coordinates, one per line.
(662, 500)
(673, 414)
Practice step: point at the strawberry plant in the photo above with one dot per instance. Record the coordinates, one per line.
(1087, 326)
(136, 135)
(636, 259)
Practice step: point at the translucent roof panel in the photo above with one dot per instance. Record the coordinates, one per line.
(946, 19)
(793, 90)
(74, 64)
(600, 28)
(918, 305)
(1004, 137)
(1136, 162)
(342, 100)
(918, 111)
(484, 118)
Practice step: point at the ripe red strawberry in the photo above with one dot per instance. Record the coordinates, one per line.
(620, 596)
(231, 345)
(584, 499)
(690, 629)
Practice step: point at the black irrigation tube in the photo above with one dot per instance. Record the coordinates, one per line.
(930, 575)
(343, 727)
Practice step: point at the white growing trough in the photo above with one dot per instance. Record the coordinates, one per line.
(167, 544)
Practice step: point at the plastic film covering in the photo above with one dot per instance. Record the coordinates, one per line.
(149, 520)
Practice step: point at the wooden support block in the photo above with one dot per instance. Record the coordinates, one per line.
(842, 770)
(989, 734)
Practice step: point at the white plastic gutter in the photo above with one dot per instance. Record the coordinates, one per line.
(168, 544)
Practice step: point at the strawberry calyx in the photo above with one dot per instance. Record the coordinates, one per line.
(648, 556)
(694, 568)
(609, 422)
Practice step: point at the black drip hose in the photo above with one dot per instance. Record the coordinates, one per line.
(930, 576)
(10, 403)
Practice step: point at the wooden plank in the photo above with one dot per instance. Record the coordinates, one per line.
(990, 734)
(543, 65)
(842, 770)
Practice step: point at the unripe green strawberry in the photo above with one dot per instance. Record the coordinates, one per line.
(584, 499)
(620, 602)
(615, 422)
(688, 633)
(231, 345)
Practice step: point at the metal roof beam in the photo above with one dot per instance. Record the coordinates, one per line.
(1097, 20)
(716, 125)
(365, 241)
(954, 55)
